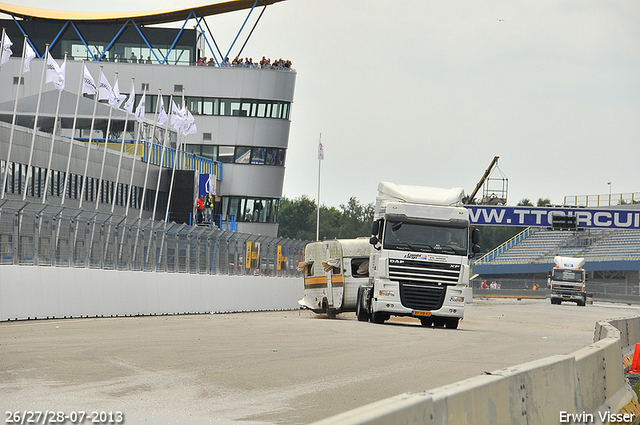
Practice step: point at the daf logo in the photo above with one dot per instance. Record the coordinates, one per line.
(395, 261)
(454, 266)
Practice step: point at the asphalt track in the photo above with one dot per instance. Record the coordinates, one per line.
(270, 367)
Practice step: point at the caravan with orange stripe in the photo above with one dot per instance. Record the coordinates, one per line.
(333, 270)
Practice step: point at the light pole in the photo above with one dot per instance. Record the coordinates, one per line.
(609, 183)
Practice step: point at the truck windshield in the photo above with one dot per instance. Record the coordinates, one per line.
(567, 275)
(425, 238)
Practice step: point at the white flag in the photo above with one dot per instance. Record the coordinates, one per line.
(162, 115)
(55, 72)
(88, 83)
(320, 150)
(140, 108)
(132, 97)
(28, 55)
(6, 49)
(105, 92)
(190, 125)
(117, 98)
(60, 82)
(177, 117)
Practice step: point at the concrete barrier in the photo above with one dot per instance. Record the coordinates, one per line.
(587, 386)
(28, 292)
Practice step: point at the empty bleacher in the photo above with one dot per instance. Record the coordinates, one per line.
(541, 245)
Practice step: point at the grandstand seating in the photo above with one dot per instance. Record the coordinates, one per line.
(541, 245)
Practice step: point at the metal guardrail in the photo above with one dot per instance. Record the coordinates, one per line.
(45, 235)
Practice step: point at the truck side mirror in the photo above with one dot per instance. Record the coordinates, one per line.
(373, 240)
(375, 228)
(475, 236)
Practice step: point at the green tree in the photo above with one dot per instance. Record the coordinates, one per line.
(356, 219)
(297, 218)
(525, 202)
(543, 202)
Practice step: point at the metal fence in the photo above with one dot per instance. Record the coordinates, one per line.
(45, 235)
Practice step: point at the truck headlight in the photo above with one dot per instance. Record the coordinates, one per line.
(457, 299)
(387, 293)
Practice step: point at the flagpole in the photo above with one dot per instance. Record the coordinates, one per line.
(73, 136)
(4, 31)
(175, 160)
(318, 206)
(153, 133)
(146, 173)
(13, 120)
(104, 153)
(162, 155)
(86, 164)
(124, 132)
(35, 124)
(135, 149)
(53, 138)
(173, 174)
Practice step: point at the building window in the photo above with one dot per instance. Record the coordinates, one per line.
(243, 155)
(247, 209)
(225, 154)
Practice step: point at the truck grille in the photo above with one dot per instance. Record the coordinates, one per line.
(423, 272)
(423, 284)
(421, 297)
(570, 288)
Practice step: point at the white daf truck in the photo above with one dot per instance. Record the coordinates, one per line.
(567, 280)
(419, 263)
(333, 270)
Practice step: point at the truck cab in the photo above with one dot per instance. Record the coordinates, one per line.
(567, 280)
(419, 267)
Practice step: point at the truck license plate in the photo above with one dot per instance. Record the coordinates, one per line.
(421, 313)
(566, 299)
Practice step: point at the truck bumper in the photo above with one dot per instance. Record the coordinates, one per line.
(452, 306)
(568, 296)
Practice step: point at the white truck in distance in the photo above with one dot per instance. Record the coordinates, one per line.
(419, 263)
(567, 280)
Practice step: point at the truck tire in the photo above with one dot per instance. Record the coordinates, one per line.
(452, 322)
(439, 322)
(581, 303)
(379, 318)
(362, 312)
(426, 322)
(555, 301)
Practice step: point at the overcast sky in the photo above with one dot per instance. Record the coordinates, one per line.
(428, 92)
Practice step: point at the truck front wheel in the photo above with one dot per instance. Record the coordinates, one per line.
(452, 323)
(362, 310)
(379, 317)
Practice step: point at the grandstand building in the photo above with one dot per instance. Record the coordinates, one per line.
(242, 115)
(612, 260)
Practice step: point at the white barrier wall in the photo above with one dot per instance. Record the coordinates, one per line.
(47, 292)
(588, 382)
